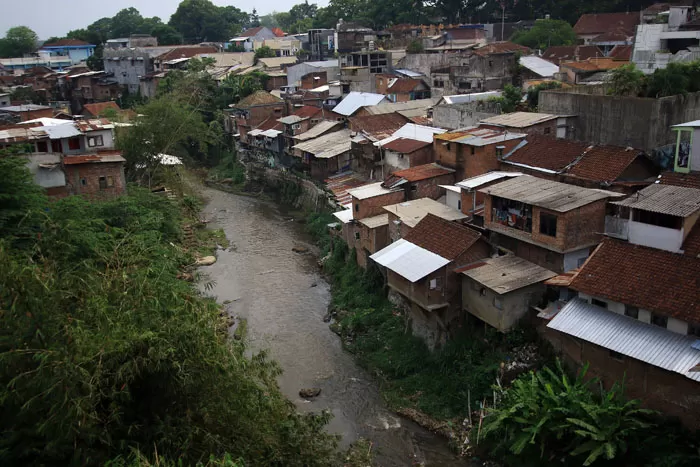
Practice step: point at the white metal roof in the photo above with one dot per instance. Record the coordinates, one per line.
(412, 212)
(476, 182)
(665, 199)
(465, 98)
(369, 191)
(413, 131)
(408, 260)
(328, 145)
(651, 344)
(507, 273)
(452, 188)
(344, 216)
(322, 127)
(45, 121)
(413, 108)
(271, 133)
(254, 132)
(539, 66)
(67, 130)
(323, 88)
(693, 124)
(356, 100)
(519, 119)
(409, 73)
(560, 197)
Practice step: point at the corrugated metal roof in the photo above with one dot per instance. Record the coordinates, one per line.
(539, 66)
(547, 194)
(291, 119)
(412, 212)
(68, 130)
(321, 128)
(370, 191)
(651, 344)
(476, 182)
(452, 188)
(412, 131)
(327, 146)
(409, 73)
(507, 273)
(693, 124)
(19, 134)
(465, 98)
(376, 221)
(415, 107)
(665, 199)
(45, 121)
(408, 260)
(356, 100)
(477, 136)
(519, 119)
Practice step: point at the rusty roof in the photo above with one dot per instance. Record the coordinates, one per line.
(270, 123)
(103, 157)
(689, 180)
(340, 184)
(599, 23)
(379, 126)
(98, 108)
(187, 52)
(250, 32)
(95, 124)
(604, 163)
(564, 53)
(621, 52)
(406, 146)
(655, 280)
(501, 48)
(442, 237)
(404, 85)
(416, 174)
(258, 98)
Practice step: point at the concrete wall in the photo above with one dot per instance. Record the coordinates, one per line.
(128, 65)
(481, 302)
(643, 123)
(454, 116)
(422, 63)
(46, 178)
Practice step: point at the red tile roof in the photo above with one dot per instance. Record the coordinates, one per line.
(98, 108)
(278, 32)
(655, 280)
(442, 237)
(270, 123)
(464, 34)
(581, 66)
(691, 245)
(589, 24)
(422, 172)
(251, 32)
(565, 53)
(340, 184)
(67, 43)
(405, 85)
(306, 111)
(379, 126)
(548, 153)
(689, 180)
(604, 163)
(406, 146)
(501, 48)
(187, 52)
(622, 52)
(258, 98)
(612, 36)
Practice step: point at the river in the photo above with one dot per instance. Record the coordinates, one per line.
(284, 299)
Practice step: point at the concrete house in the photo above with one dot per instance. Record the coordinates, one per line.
(471, 199)
(554, 225)
(500, 291)
(76, 50)
(528, 122)
(302, 120)
(420, 269)
(254, 109)
(403, 217)
(249, 37)
(409, 146)
(367, 130)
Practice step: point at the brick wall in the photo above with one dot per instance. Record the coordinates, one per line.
(91, 173)
(423, 156)
(469, 161)
(429, 188)
(373, 206)
(308, 81)
(258, 114)
(397, 231)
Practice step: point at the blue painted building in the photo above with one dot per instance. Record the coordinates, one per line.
(77, 50)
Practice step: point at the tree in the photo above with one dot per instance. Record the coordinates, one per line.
(166, 35)
(510, 98)
(18, 41)
(264, 52)
(201, 20)
(415, 47)
(626, 80)
(254, 19)
(21, 199)
(533, 93)
(546, 33)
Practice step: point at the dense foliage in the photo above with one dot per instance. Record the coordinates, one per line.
(546, 33)
(104, 352)
(676, 78)
(533, 93)
(18, 41)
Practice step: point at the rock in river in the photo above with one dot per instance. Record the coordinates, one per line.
(206, 261)
(300, 249)
(309, 393)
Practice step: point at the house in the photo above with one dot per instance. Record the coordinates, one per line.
(501, 291)
(24, 112)
(592, 25)
(367, 130)
(571, 53)
(88, 86)
(359, 69)
(622, 169)
(177, 58)
(527, 122)
(128, 65)
(283, 47)
(577, 72)
(303, 119)
(321, 43)
(247, 38)
(534, 67)
(319, 129)
(422, 181)
(409, 109)
(471, 199)
(95, 175)
(356, 100)
(296, 73)
(254, 109)
(327, 154)
(464, 111)
(671, 37)
(268, 139)
(401, 89)
(554, 225)
(637, 318)
(409, 146)
(5, 99)
(19, 64)
(474, 151)
(369, 200)
(404, 216)
(352, 37)
(420, 269)
(98, 109)
(76, 50)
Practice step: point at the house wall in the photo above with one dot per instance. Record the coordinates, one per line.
(453, 200)
(375, 239)
(46, 178)
(466, 163)
(548, 128)
(397, 229)
(91, 173)
(454, 116)
(374, 206)
(314, 79)
(429, 188)
(623, 121)
(480, 301)
(127, 66)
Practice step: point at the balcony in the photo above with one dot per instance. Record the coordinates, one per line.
(654, 236)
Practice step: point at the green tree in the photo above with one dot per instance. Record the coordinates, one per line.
(669, 81)
(166, 35)
(201, 20)
(626, 80)
(254, 19)
(21, 200)
(510, 98)
(546, 33)
(533, 93)
(264, 52)
(415, 47)
(18, 41)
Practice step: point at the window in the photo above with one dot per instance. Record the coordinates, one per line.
(357, 207)
(56, 146)
(658, 219)
(600, 303)
(459, 204)
(548, 224)
(110, 181)
(357, 235)
(547, 131)
(580, 261)
(497, 303)
(482, 292)
(473, 150)
(414, 187)
(95, 141)
(694, 330)
(490, 63)
(296, 126)
(433, 284)
(103, 183)
(42, 146)
(632, 311)
(83, 181)
(616, 355)
(74, 144)
(658, 320)
(499, 152)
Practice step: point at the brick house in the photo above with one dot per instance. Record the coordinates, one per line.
(314, 79)
(404, 153)
(95, 175)
(474, 151)
(471, 201)
(421, 269)
(637, 318)
(98, 109)
(422, 181)
(327, 154)
(554, 225)
(303, 119)
(367, 130)
(571, 53)
(617, 168)
(255, 109)
(401, 89)
(404, 216)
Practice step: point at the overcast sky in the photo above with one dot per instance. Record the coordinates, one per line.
(56, 17)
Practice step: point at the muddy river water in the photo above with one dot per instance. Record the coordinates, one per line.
(284, 299)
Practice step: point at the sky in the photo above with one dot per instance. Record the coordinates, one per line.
(56, 17)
